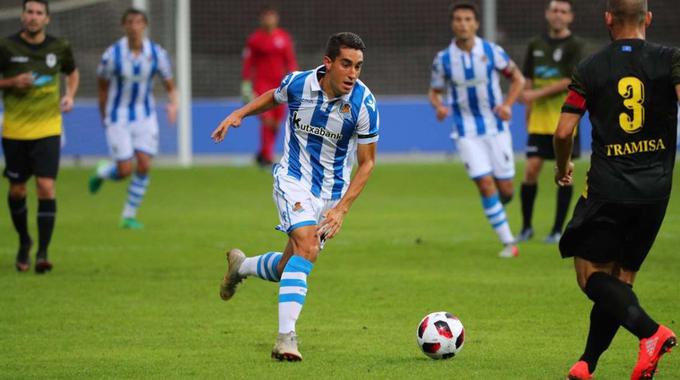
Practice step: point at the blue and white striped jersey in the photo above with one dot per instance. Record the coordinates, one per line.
(131, 79)
(322, 133)
(471, 82)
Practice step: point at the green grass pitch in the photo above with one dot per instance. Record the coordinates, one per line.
(145, 304)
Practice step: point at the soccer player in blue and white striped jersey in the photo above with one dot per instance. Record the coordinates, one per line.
(333, 118)
(465, 80)
(128, 109)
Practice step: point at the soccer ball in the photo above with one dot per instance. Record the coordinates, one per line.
(440, 335)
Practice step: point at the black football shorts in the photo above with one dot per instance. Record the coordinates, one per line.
(542, 146)
(24, 158)
(604, 232)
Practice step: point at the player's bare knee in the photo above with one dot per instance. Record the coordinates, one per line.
(582, 280)
(17, 190)
(626, 276)
(530, 178)
(531, 174)
(306, 243)
(486, 186)
(45, 188)
(532, 171)
(309, 250)
(124, 170)
(143, 170)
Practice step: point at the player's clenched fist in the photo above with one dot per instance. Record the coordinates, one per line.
(22, 81)
(565, 178)
(221, 131)
(331, 224)
(442, 112)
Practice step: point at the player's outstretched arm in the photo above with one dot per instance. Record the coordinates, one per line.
(173, 101)
(562, 143)
(334, 217)
(258, 105)
(72, 84)
(435, 97)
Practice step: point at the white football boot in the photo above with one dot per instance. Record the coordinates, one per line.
(232, 278)
(286, 348)
(509, 251)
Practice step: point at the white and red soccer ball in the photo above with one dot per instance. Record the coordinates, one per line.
(440, 335)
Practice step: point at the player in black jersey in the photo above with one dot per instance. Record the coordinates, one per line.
(631, 89)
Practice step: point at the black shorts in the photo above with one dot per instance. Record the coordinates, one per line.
(24, 158)
(603, 232)
(542, 146)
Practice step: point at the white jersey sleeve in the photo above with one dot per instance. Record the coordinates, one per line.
(438, 79)
(501, 59)
(368, 123)
(281, 93)
(164, 65)
(106, 67)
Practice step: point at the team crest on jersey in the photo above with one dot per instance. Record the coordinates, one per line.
(345, 108)
(557, 54)
(51, 60)
(539, 53)
(297, 207)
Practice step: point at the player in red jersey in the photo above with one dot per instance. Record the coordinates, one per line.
(267, 57)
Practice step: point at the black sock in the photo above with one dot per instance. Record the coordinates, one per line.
(620, 302)
(564, 194)
(47, 212)
(603, 328)
(19, 213)
(528, 196)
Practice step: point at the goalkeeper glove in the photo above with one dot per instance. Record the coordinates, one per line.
(247, 92)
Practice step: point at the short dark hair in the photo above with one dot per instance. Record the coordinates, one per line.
(133, 11)
(570, 2)
(268, 8)
(464, 5)
(343, 39)
(628, 11)
(43, 2)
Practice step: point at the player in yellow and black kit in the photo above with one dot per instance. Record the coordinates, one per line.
(31, 63)
(548, 65)
(631, 89)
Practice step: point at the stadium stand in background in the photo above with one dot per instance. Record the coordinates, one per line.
(402, 37)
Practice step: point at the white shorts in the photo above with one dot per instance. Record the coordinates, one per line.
(296, 205)
(125, 139)
(489, 155)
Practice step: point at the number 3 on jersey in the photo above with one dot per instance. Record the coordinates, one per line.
(633, 92)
